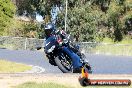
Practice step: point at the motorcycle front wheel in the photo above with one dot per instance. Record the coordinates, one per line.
(64, 63)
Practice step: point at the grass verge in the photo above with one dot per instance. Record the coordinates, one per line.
(125, 50)
(55, 85)
(126, 40)
(12, 67)
(123, 47)
(41, 85)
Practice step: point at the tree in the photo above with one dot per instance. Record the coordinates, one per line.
(82, 20)
(7, 11)
(88, 19)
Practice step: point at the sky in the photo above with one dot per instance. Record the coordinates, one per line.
(54, 13)
(39, 18)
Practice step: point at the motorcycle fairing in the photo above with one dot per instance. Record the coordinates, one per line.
(75, 58)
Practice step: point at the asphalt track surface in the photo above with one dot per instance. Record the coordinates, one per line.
(101, 64)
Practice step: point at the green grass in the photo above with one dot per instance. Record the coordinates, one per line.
(114, 49)
(55, 85)
(41, 85)
(107, 40)
(109, 49)
(12, 67)
(126, 40)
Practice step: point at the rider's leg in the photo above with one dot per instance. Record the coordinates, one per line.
(75, 58)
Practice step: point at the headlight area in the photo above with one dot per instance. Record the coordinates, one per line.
(51, 49)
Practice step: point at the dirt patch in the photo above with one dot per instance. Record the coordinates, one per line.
(10, 80)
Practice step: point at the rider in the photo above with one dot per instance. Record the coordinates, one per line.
(51, 30)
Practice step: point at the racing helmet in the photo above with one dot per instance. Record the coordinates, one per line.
(49, 29)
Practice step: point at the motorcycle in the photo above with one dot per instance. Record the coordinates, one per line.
(60, 53)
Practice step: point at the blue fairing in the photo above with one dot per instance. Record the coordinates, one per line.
(75, 58)
(51, 41)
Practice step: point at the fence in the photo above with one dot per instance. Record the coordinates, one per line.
(107, 49)
(20, 43)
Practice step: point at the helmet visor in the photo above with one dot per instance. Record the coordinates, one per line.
(48, 32)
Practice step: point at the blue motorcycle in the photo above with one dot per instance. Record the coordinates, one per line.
(64, 55)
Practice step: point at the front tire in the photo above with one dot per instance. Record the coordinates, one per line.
(61, 66)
